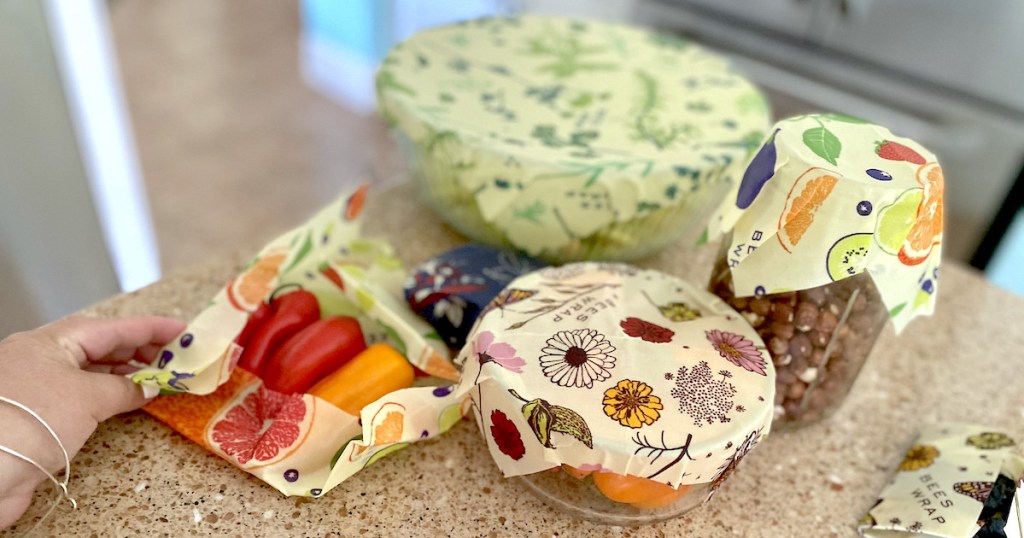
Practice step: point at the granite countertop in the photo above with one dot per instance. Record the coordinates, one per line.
(138, 477)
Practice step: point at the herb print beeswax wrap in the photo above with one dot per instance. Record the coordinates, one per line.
(956, 481)
(569, 139)
(830, 196)
(605, 366)
(298, 443)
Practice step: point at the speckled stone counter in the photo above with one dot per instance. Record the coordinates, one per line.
(137, 477)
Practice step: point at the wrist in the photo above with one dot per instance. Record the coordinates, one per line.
(21, 433)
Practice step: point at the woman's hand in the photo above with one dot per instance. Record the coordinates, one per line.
(72, 373)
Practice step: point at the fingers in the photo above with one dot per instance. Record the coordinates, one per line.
(117, 340)
(112, 394)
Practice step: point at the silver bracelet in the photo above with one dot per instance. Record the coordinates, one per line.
(62, 486)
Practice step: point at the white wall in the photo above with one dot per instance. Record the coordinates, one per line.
(53, 247)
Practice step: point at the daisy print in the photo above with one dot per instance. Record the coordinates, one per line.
(577, 358)
(737, 350)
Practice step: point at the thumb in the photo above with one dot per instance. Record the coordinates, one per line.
(114, 394)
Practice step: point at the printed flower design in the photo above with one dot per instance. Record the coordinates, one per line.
(646, 330)
(502, 354)
(506, 436)
(727, 468)
(562, 272)
(703, 397)
(990, 440)
(632, 404)
(737, 350)
(919, 457)
(452, 308)
(577, 358)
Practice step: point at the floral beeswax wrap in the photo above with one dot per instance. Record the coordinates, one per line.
(608, 367)
(569, 138)
(451, 289)
(298, 443)
(956, 481)
(830, 196)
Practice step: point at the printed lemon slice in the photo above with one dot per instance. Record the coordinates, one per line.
(927, 229)
(247, 290)
(260, 427)
(896, 220)
(809, 191)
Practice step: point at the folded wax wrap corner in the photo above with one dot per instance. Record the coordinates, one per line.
(550, 132)
(607, 367)
(300, 444)
(956, 481)
(830, 196)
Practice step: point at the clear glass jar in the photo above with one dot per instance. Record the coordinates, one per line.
(589, 496)
(818, 339)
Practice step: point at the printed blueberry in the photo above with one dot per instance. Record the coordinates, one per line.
(291, 475)
(880, 175)
(759, 291)
(186, 340)
(165, 357)
(441, 392)
(864, 208)
(927, 286)
(315, 492)
(425, 434)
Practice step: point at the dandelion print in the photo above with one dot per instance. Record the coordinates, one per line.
(632, 404)
(701, 396)
(737, 350)
(577, 358)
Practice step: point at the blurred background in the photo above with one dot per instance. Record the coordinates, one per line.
(143, 137)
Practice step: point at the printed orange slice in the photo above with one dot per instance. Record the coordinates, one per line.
(390, 428)
(927, 229)
(809, 191)
(247, 290)
(190, 413)
(260, 427)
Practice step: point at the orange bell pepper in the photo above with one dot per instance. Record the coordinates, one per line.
(376, 371)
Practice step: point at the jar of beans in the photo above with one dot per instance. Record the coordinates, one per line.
(818, 338)
(835, 229)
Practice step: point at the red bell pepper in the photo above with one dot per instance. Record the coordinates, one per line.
(272, 324)
(313, 353)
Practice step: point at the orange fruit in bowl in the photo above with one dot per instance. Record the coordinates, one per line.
(630, 489)
(664, 500)
(805, 198)
(927, 229)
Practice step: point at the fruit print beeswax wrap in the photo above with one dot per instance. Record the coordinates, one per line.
(299, 443)
(570, 139)
(830, 196)
(956, 481)
(610, 367)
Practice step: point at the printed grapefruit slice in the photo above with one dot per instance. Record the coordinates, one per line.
(260, 427)
(809, 191)
(247, 290)
(927, 229)
(190, 413)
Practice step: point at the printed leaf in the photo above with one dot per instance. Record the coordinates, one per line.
(897, 309)
(538, 416)
(569, 422)
(304, 250)
(678, 312)
(823, 143)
